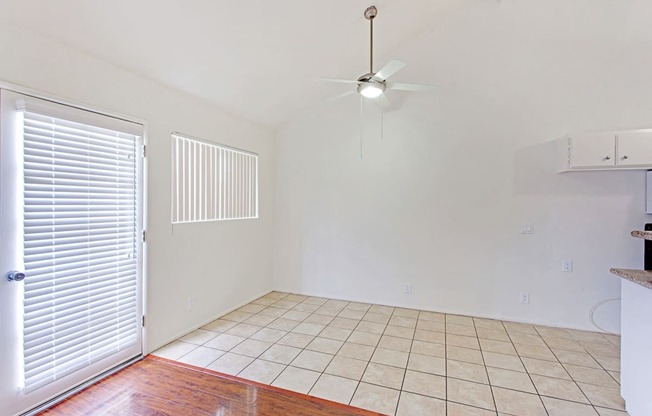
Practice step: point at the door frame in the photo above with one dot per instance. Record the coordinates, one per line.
(142, 181)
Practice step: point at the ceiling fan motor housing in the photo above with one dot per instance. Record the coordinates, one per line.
(371, 88)
(366, 77)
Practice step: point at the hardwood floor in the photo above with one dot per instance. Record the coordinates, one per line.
(156, 386)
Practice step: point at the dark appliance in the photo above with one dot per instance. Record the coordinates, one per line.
(648, 249)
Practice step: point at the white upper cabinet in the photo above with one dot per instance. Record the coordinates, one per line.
(594, 150)
(634, 148)
(614, 150)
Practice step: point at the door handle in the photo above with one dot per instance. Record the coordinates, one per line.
(15, 276)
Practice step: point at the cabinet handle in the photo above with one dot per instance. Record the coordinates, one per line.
(625, 157)
(607, 158)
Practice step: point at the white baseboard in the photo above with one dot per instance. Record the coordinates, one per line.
(447, 311)
(219, 315)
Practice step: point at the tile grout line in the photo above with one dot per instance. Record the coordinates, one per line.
(338, 350)
(314, 337)
(520, 358)
(567, 372)
(275, 318)
(484, 364)
(372, 355)
(602, 367)
(256, 358)
(288, 365)
(338, 340)
(334, 355)
(302, 349)
(405, 370)
(595, 408)
(386, 326)
(249, 337)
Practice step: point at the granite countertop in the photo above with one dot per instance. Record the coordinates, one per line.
(641, 277)
(646, 235)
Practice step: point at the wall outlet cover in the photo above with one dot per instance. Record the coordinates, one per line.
(407, 288)
(567, 266)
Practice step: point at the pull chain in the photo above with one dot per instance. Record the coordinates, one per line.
(361, 124)
(382, 122)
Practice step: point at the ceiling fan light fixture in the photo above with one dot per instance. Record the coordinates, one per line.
(371, 89)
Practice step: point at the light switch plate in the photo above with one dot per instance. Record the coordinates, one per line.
(527, 229)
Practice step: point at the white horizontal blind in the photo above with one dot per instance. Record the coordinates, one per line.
(212, 182)
(80, 247)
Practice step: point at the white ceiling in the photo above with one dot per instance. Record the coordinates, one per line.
(258, 59)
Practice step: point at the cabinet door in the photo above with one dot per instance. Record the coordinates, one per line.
(634, 148)
(593, 150)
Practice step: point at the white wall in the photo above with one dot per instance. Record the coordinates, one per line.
(219, 264)
(438, 202)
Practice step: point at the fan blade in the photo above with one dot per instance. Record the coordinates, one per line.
(389, 69)
(338, 96)
(340, 81)
(410, 87)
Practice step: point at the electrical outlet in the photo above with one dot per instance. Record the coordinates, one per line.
(191, 304)
(567, 266)
(407, 288)
(525, 298)
(527, 229)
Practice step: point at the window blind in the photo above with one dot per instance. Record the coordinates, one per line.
(212, 182)
(80, 245)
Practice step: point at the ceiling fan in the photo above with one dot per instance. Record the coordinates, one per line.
(374, 84)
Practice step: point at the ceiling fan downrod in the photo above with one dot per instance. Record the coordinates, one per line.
(370, 14)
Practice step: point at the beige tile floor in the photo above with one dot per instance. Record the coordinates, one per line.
(408, 362)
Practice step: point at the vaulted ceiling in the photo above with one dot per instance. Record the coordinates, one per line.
(258, 59)
(262, 60)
